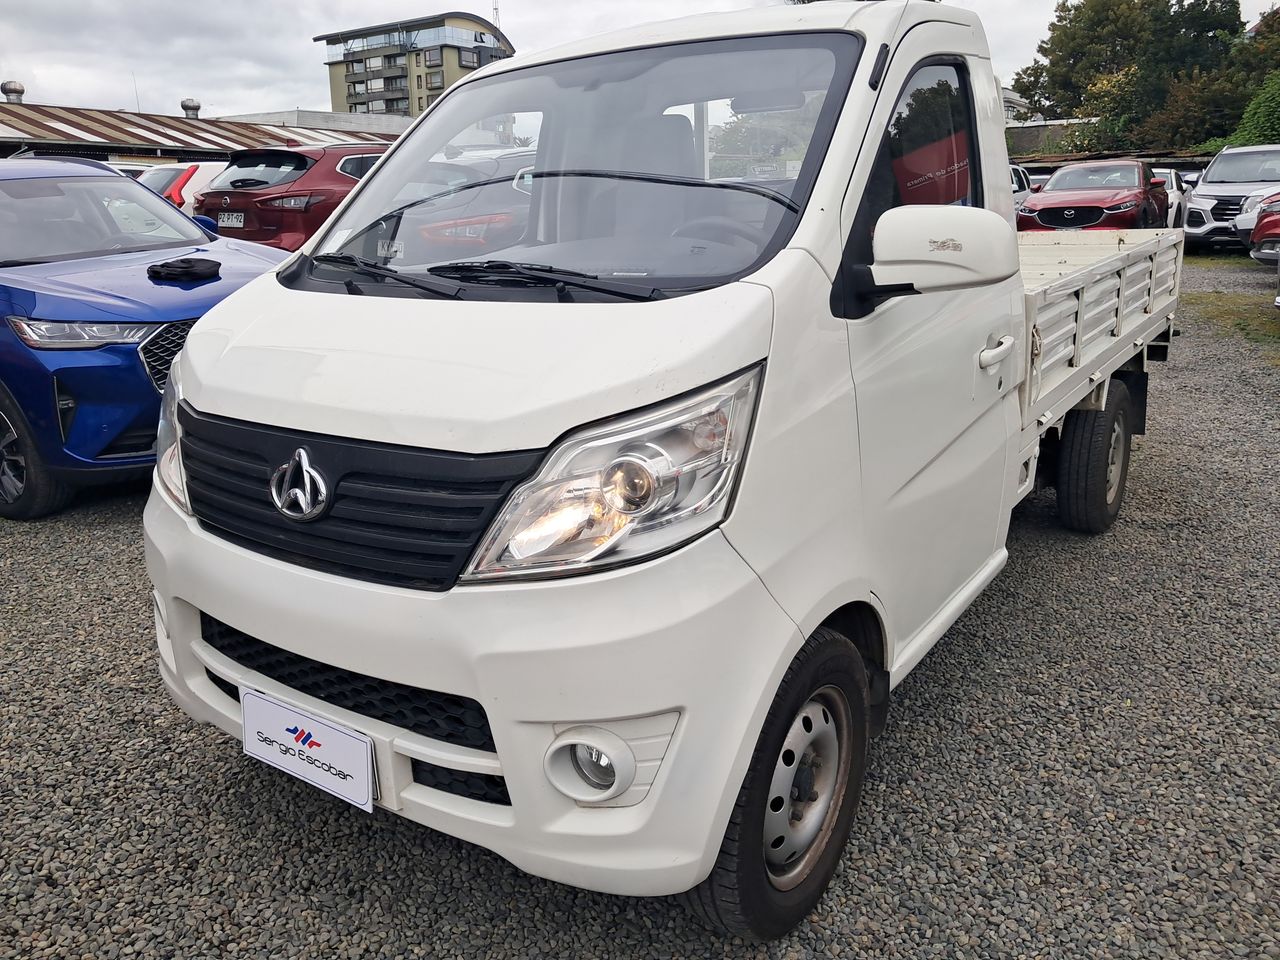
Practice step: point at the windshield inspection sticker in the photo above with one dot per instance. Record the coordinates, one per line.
(335, 759)
(390, 249)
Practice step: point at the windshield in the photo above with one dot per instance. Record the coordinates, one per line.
(678, 167)
(1111, 176)
(267, 169)
(1260, 166)
(69, 218)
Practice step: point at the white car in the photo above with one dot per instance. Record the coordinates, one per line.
(1177, 189)
(1221, 192)
(1021, 184)
(601, 538)
(181, 183)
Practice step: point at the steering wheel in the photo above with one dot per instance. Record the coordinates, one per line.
(722, 227)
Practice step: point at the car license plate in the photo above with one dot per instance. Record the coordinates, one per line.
(333, 758)
(231, 219)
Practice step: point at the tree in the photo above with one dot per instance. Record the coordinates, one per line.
(1261, 122)
(1087, 39)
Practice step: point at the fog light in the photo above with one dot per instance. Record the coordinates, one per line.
(590, 765)
(594, 766)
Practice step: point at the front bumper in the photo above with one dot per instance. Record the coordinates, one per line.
(693, 634)
(1202, 227)
(1267, 252)
(91, 411)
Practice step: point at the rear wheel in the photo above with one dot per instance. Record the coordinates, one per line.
(27, 489)
(789, 825)
(1093, 462)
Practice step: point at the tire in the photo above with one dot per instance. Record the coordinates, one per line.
(1093, 463)
(28, 489)
(744, 895)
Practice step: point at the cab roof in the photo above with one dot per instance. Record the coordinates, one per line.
(879, 19)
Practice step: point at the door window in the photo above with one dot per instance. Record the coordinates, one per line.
(929, 154)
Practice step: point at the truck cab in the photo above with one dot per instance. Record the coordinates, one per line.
(590, 513)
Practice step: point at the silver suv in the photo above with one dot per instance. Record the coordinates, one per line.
(1220, 194)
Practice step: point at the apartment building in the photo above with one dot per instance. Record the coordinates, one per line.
(401, 68)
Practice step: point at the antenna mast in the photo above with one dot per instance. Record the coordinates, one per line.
(496, 21)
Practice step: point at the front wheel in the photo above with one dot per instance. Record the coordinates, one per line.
(792, 816)
(27, 489)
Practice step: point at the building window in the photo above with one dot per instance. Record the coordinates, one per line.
(419, 104)
(435, 57)
(417, 59)
(373, 63)
(435, 80)
(419, 81)
(468, 58)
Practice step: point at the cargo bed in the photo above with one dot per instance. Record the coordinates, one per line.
(1094, 301)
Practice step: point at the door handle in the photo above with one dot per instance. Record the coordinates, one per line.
(989, 358)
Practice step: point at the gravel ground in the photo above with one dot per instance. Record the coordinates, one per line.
(1088, 765)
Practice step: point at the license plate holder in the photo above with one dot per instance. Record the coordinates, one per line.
(317, 751)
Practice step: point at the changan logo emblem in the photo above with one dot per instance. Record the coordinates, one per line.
(298, 490)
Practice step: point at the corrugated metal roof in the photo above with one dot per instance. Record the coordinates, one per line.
(36, 125)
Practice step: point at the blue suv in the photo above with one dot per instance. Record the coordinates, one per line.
(93, 310)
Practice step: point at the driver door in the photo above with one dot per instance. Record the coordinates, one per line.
(934, 421)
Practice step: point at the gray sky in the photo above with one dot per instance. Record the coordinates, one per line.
(242, 56)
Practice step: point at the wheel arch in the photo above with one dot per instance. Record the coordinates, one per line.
(862, 624)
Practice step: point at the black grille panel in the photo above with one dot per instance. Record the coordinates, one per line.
(1228, 208)
(1064, 218)
(398, 515)
(474, 786)
(159, 349)
(1195, 219)
(440, 716)
(132, 443)
(226, 686)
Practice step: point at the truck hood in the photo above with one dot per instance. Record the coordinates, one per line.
(117, 287)
(1212, 191)
(1081, 198)
(462, 376)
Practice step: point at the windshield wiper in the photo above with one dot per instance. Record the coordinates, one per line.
(441, 288)
(542, 275)
(20, 263)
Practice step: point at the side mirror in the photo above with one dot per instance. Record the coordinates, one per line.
(927, 249)
(1037, 187)
(1158, 182)
(1191, 179)
(208, 223)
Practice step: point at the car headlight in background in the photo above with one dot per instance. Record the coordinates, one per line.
(169, 470)
(54, 335)
(1026, 211)
(1271, 206)
(1121, 207)
(633, 487)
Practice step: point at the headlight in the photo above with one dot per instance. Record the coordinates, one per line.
(1026, 211)
(1121, 207)
(168, 447)
(1272, 207)
(1251, 205)
(51, 335)
(626, 490)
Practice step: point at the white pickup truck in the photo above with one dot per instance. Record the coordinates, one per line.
(585, 500)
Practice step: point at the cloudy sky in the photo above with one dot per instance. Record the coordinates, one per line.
(242, 56)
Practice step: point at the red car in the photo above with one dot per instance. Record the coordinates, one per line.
(1101, 195)
(281, 195)
(1266, 235)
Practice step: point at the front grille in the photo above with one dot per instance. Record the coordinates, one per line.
(397, 515)
(159, 349)
(1195, 219)
(1228, 208)
(475, 786)
(1064, 218)
(440, 716)
(226, 686)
